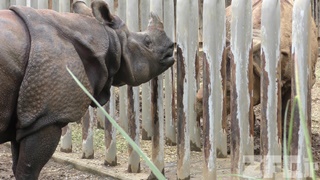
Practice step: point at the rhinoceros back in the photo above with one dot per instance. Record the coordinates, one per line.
(48, 94)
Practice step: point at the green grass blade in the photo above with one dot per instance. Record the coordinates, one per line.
(291, 124)
(303, 122)
(153, 168)
(285, 149)
(307, 139)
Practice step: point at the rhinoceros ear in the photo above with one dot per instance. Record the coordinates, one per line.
(101, 12)
(155, 22)
(80, 7)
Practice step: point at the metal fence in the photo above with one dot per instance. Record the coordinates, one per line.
(167, 102)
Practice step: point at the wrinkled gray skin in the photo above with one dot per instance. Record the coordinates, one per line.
(38, 96)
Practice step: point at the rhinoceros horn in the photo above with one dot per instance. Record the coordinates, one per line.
(155, 22)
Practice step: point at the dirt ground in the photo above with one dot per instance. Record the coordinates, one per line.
(51, 171)
(54, 170)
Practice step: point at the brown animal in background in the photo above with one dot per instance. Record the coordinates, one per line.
(285, 56)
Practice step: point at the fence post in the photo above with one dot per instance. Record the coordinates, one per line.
(110, 133)
(215, 137)
(39, 4)
(270, 90)
(59, 5)
(121, 12)
(100, 116)
(18, 2)
(192, 55)
(147, 131)
(157, 113)
(66, 139)
(109, 130)
(87, 134)
(28, 3)
(241, 88)
(157, 138)
(187, 41)
(88, 2)
(301, 22)
(110, 4)
(170, 128)
(4, 4)
(101, 119)
(133, 95)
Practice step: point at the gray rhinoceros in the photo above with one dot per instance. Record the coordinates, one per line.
(38, 96)
(285, 56)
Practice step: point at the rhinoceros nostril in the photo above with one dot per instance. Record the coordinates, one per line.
(168, 54)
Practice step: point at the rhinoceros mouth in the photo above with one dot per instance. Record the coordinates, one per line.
(167, 61)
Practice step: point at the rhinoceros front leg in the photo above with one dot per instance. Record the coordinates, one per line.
(15, 155)
(34, 151)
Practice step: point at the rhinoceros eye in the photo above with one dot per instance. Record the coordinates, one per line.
(147, 41)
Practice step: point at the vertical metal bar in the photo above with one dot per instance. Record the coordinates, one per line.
(183, 137)
(4, 4)
(183, 145)
(215, 137)
(110, 106)
(65, 6)
(228, 3)
(59, 5)
(110, 133)
(70, 8)
(121, 12)
(66, 139)
(270, 88)
(192, 54)
(144, 7)
(134, 158)
(200, 20)
(100, 117)
(170, 129)
(121, 9)
(157, 7)
(39, 4)
(133, 94)
(50, 4)
(18, 2)
(87, 135)
(123, 102)
(301, 22)
(110, 4)
(157, 113)
(110, 137)
(88, 2)
(241, 106)
(147, 131)
(109, 130)
(157, 138)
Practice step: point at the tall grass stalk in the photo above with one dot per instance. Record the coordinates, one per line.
(303, 122)
(285, 149)
(153, 168)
